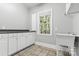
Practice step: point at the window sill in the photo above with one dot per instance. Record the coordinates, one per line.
(46, 34)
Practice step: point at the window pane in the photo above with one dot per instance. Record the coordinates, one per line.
(45, 24)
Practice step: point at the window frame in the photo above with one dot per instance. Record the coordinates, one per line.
(38, 21)
(34, 21)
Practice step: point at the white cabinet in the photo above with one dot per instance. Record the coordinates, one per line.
(12, 44)
(21, 41)
(30, 38)
(3, 44)
(25, 39)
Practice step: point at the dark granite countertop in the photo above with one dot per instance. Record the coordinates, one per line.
(5, 31)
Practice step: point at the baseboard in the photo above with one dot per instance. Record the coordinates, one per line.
(49, 45)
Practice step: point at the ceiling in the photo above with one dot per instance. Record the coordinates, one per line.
(31, 5)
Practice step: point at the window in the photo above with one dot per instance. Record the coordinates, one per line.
(45, 22)
(42, 22)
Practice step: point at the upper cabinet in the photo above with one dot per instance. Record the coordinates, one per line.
(72, 8)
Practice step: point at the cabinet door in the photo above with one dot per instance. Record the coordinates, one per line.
(3, 46)
(29, 38)
(12, 45)
(25, 40)
(21, 43)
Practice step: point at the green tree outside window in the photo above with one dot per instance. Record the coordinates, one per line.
(45, 24)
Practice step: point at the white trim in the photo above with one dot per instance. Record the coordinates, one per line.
(45, 10)
(51, 21)
(34, 16)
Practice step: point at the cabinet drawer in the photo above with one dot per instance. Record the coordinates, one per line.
(10, 35)
(0, 35)
(15, 34)
(27, 34)
(20, 34)
(4, 35)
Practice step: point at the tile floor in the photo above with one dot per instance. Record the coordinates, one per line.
(36, 50)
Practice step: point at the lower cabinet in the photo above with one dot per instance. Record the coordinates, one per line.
(12, 45)
(25, 40)
(3, 46)
(21, 43)
(30, 39)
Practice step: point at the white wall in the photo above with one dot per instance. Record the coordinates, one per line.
(14, 16)
(63, 23)
(76, 23)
